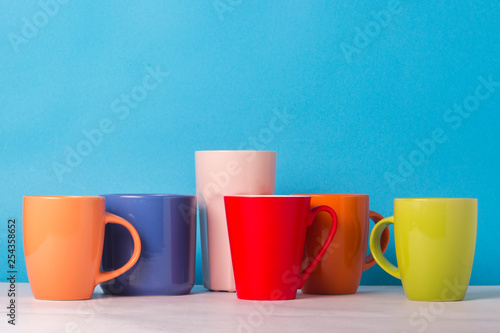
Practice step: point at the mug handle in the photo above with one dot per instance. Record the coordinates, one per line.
(377, 252)
(384, 240)
(105, 276)
(315, 211)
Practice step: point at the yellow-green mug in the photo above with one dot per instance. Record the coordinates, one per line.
(435, 240)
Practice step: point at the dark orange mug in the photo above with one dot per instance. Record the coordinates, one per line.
(339, 271)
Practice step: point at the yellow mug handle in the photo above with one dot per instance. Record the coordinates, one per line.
(376, 250)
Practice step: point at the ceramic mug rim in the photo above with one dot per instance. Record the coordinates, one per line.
(146, 195)
(266, 196)
(434, 199)
(233, 151)
(337, 195)
(56, 197)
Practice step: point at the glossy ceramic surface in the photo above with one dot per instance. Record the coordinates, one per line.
(340, 269)
(267, 235)
(435, 241)
(167, 227)
(220, 173)
(63, 241)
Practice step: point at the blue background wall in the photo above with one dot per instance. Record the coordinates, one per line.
(358, 101)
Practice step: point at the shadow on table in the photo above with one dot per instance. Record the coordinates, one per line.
(99, 294)
(365, 291)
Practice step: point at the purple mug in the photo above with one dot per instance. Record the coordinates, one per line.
(166, 224)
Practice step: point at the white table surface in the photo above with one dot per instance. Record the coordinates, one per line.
(372, 309)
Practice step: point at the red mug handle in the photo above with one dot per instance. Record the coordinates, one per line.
(315, 211)
(384, 240)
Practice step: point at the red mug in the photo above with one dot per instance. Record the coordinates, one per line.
(266, 237)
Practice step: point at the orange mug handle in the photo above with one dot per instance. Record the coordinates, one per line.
(305, 273)
(105, 276)
(384, 240)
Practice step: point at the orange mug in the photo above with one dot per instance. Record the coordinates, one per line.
(63, 241)
(339, 271)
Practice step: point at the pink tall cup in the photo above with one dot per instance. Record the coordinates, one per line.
(220, 173)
